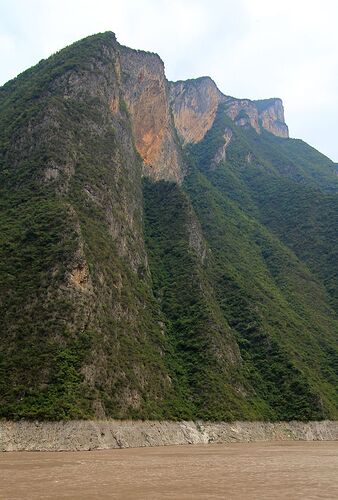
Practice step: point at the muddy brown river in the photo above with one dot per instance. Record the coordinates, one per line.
(286, 470)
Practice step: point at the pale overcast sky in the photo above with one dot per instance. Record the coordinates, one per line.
(251, 48)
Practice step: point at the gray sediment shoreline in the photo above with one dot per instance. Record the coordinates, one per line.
(107, 434)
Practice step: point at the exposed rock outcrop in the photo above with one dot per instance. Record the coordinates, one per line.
(271, 117)
(243, 113)
(108, 434)
(194, 104)
(221, 153)
(144, 88)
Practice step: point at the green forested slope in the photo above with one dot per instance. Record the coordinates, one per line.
(79, 334)
(128, 298)
(273, 229)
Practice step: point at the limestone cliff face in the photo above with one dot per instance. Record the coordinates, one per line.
(144, 89)
(134, 81)
(157, 107)
(138, 85)
(271, 115)
(267, 114)
(244, 113)
(103, 85)
(194, 104)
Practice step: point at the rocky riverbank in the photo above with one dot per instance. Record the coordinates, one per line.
(97, 435)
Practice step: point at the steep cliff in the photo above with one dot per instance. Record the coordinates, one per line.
(74, 267)
(149, 267)
(271, 117)
(144, 89)
(195, 102)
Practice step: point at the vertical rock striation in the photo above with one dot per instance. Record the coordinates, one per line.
(194, 104)
(144, 89)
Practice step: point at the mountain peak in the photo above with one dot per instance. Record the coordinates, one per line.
(195, 102)
(125, 295)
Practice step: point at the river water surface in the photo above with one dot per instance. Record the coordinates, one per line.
(286, 470)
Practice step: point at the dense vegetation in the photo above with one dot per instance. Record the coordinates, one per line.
(217, 299)
(75, 334)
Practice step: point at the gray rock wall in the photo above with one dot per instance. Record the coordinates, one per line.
(99, 435)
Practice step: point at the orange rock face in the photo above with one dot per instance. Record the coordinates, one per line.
(150, 118)
(157, 107)
(194, 104)
(146, 97)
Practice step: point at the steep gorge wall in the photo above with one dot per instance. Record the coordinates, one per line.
(144, 88)
(195, 102)
(127, 313)
(84, 296)
(271, 116)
